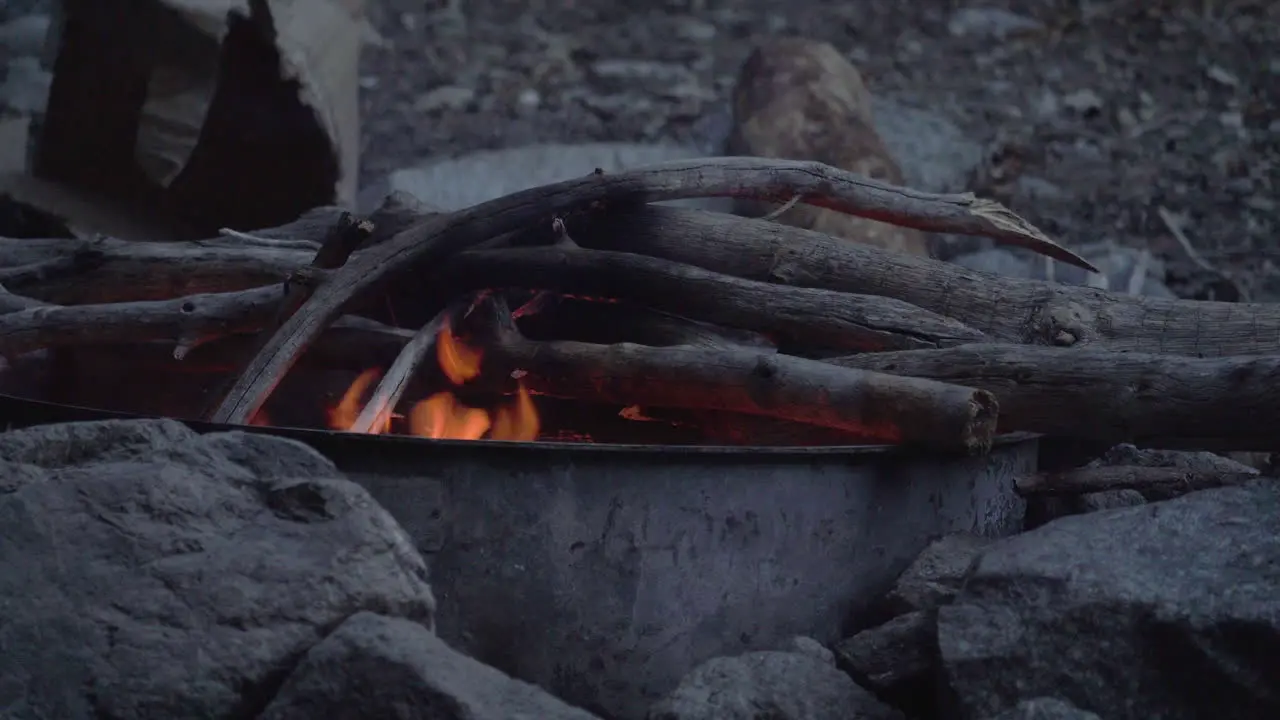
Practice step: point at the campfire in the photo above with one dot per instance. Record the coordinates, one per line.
(579, 312)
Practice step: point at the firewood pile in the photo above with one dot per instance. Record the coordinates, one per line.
(821, 321)
(746, 316)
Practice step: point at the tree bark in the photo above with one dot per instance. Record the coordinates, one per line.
(871, 405)
(795, 317)
(1005, 309)
(1152, 400)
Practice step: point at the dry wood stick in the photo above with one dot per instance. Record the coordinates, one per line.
(1006, 309)
(376, 415)
(778, 180)
(807, 317)
(188, 321)
(1155, 400)
(1086, 480)
(551, 317)
(872, 405)
(124, 271)
(68, 271)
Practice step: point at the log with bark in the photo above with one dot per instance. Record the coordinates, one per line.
(1005, 309)
(1113, 397)
(1164, 480)
(794, 317)
(871, 405)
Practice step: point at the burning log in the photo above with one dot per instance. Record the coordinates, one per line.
(1086, 480)
(436, 239)
(1005, 309)
(376, 415)
(1158, 400)
(799, 317)
(872, 405)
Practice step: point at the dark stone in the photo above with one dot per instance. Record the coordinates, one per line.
(147, 575)
(936, 575)
(770, 686)
(1045, 708)
(897, 661)
(381, 668)
(1168, 610)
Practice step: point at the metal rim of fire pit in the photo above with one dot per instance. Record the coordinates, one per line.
(20, 412)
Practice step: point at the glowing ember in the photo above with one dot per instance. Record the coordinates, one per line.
(442, 416)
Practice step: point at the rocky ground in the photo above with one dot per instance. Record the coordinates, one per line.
(153, 572)
(1104, 122)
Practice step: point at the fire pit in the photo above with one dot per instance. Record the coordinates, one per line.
(605, 572)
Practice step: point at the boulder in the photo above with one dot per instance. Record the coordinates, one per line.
(936, 575)
(378, 668)
(154, 572)
(769, 685)
(801, 99)
(1045, 708)
(1168, 610)
(897, 660)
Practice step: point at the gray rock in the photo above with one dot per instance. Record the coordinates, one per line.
(936, 575)
(1046, 509)
(935, 154)
(153, 572)
(478, 177)
(379, 667)
(1045, 708)
(769, 686)
(897, 660)
(812, 648)
(1169, 610)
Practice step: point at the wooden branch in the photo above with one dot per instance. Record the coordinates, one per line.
(778, 180)
(872, 405)
(553, 317)
(1006, 309)
(121, 271)
(188, 321)
(801, 317)
(1086, 480)
(110, 270)
(376, 415)
(1152, 400)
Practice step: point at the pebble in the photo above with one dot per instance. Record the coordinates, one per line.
(447, 97)
(1083, 101)
(984, 22)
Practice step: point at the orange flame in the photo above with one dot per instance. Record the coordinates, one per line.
(459, 362)
(343, 415)
(442, 416)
